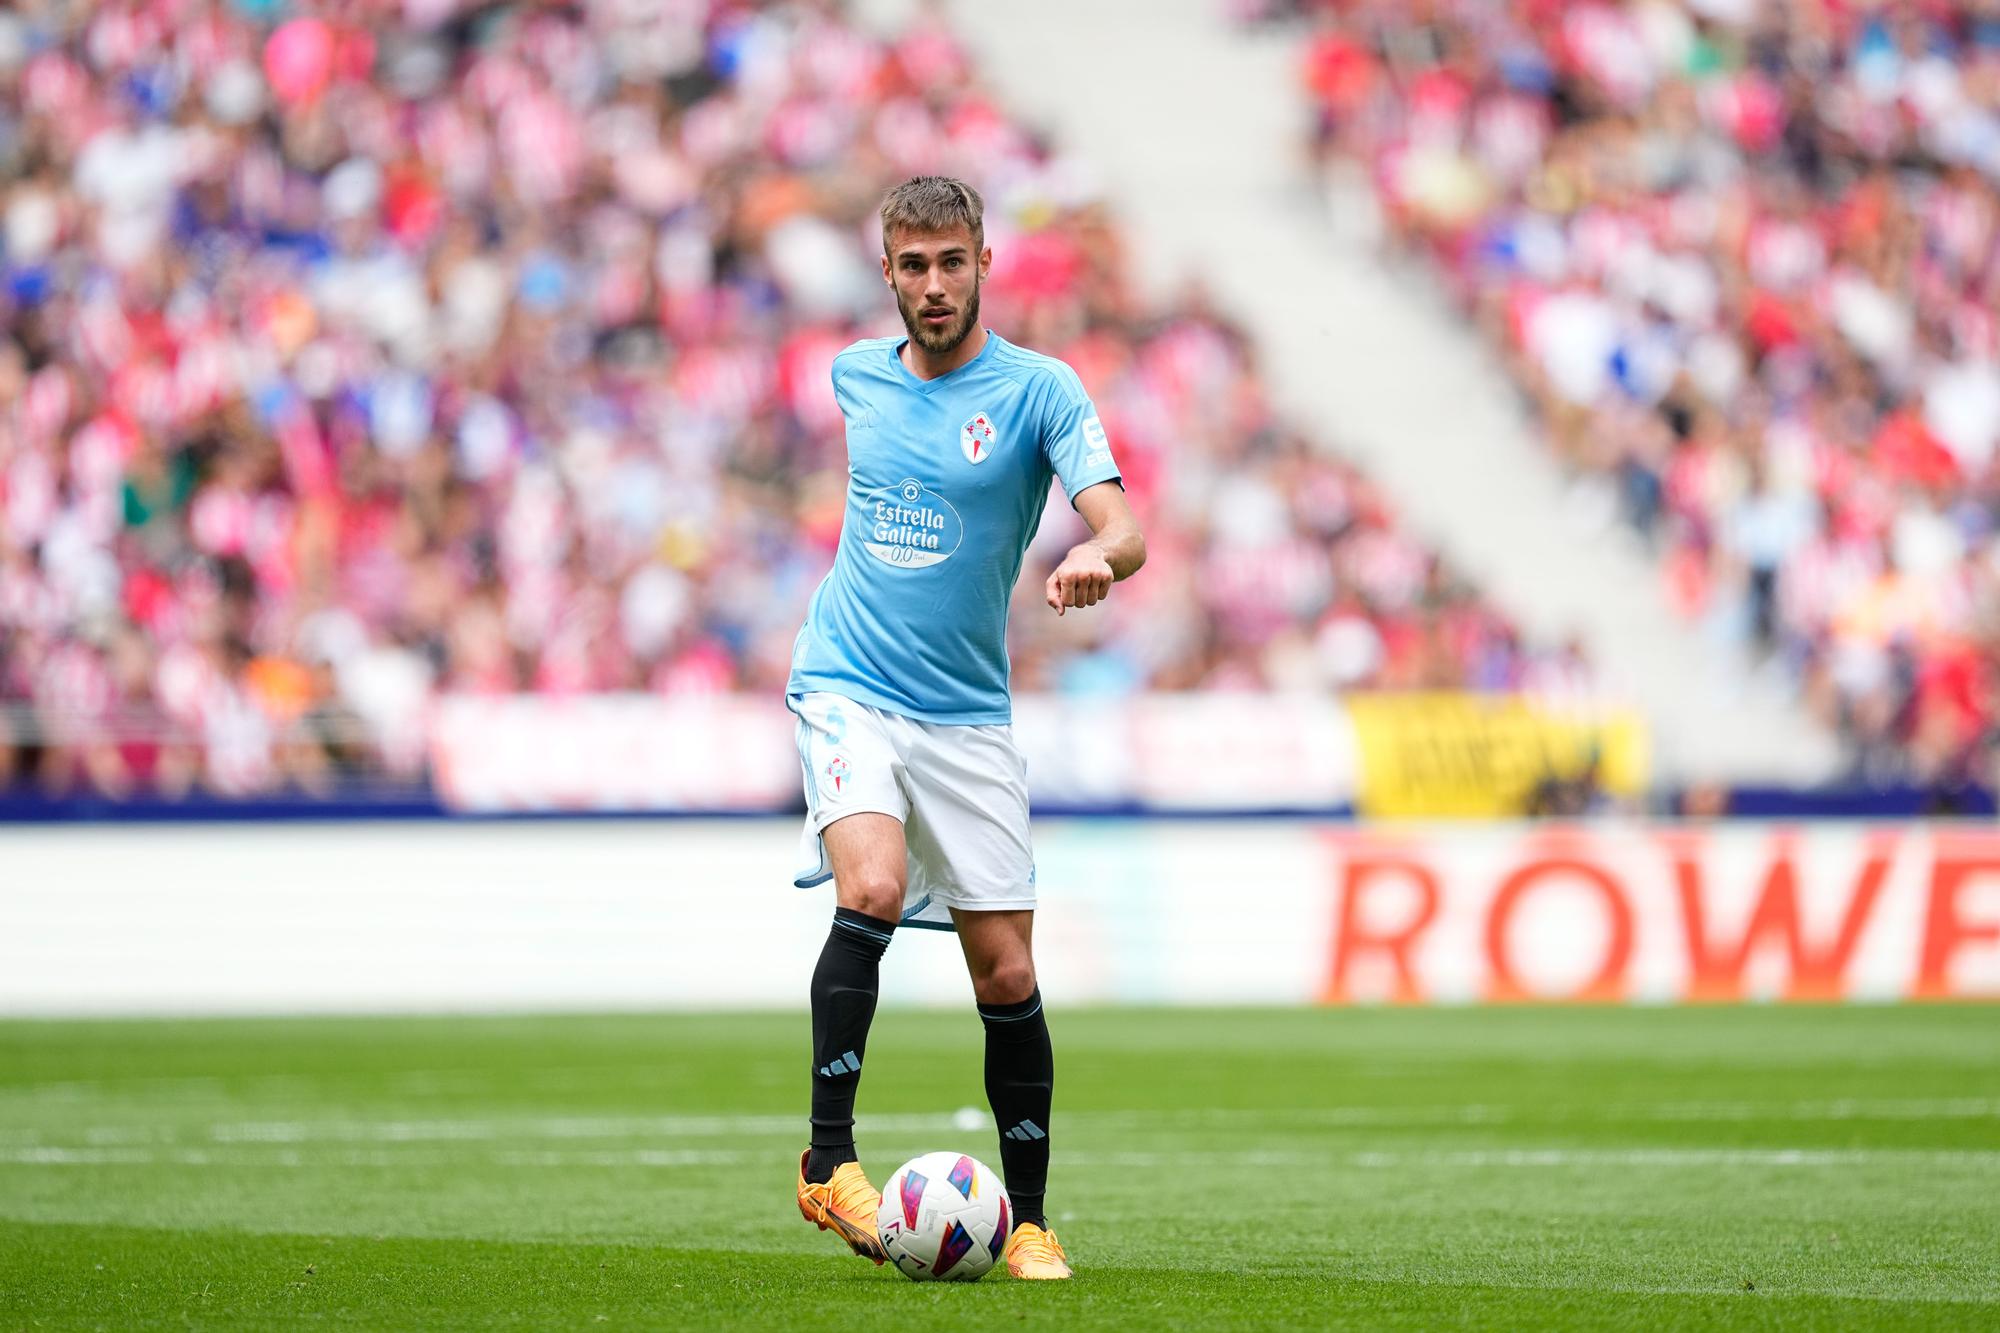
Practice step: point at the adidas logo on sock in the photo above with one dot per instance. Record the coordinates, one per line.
(1027, 1132)
(849, 1063)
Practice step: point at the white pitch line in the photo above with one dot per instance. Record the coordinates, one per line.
(46, 1156)
(1648, 1158)
(293, 1157)
(640, 1157)
(785, 1126)
(562, 1128)
(1685, 1157)
(1946, 1108)
(1953, 1108)
(548, 1127)
(1675, 1158)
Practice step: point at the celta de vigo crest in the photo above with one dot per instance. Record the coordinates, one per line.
(976, 438)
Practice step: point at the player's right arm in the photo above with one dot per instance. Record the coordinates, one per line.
(1080, 455)
(1114, 552)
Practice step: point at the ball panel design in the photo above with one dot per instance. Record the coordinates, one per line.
(964, 1175)
(911, 1191)
(1000, 1232)
(955, 1246)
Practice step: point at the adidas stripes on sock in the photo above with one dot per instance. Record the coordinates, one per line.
(844, 986)
(1020, 1080)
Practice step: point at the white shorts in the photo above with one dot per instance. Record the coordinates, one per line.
(960, 792)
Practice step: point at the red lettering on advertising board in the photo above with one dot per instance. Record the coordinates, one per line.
(1504, 983)
(1716, 966)
(1356, 940)
(1960, 862)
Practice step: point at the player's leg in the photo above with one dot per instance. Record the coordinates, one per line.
(1020, 1075)
(1020, 1062)
(866, 854)
(869, 872)
(853, 836)
(970, 852)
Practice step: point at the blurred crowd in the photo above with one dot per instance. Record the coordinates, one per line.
(361, 351)
(1744, 260)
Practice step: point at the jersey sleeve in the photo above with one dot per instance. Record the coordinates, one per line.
(841, 397)
(1073, 439)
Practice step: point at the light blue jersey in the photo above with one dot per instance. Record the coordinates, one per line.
(946, 481)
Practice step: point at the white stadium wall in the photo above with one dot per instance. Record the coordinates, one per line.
(699, 913)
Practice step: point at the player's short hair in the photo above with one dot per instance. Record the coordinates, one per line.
(930, 204)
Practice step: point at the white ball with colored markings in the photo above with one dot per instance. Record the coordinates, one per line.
(944, 1218)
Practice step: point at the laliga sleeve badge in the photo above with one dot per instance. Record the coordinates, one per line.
(976, 438)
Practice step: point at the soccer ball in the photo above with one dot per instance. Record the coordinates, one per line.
(944, 1218)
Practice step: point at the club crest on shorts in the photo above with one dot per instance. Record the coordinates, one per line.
(834, 776)
(976, 438)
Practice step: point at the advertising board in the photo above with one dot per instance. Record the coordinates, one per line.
(689, 913)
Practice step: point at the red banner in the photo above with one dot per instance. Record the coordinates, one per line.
(1664, 913)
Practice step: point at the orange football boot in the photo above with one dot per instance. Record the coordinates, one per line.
(845, 1205)
(1034, 1253)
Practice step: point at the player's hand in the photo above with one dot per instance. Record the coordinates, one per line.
(1082, 579)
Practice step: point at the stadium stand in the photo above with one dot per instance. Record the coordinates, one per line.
(1741, 260)
(360, 352)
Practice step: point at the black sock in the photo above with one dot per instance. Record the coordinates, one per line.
(1020, 1077)
(844, 986)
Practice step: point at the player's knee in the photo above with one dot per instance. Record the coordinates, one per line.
(879, 894)
(1008, 982)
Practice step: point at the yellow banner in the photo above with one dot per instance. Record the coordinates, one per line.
(1492, 756)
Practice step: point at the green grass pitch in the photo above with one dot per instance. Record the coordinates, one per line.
(1492, 1168)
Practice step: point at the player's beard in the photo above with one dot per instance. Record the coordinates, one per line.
(945, 342)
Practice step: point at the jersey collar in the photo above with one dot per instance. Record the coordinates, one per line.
(932, 386)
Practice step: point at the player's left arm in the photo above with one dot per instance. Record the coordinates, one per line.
(1114, 552)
